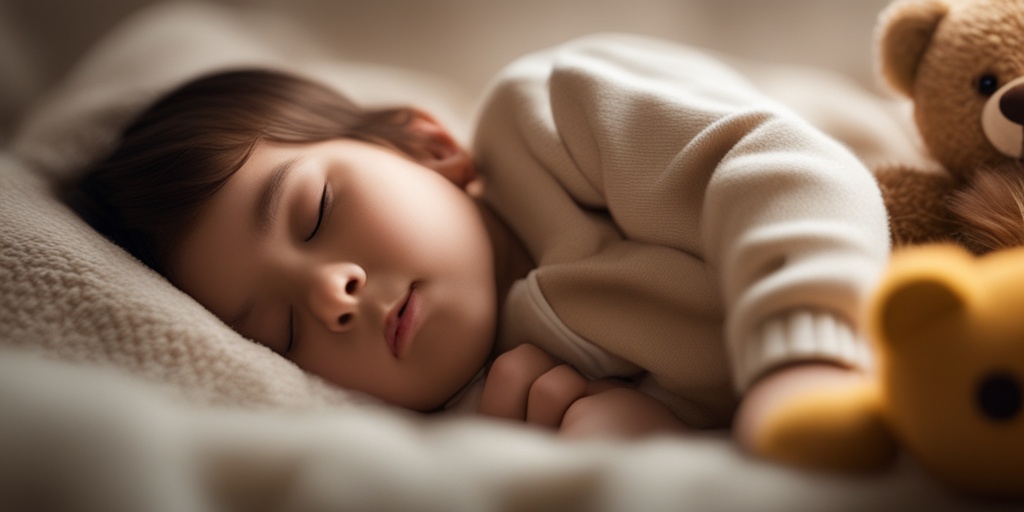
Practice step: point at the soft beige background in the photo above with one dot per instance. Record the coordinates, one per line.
(465, 40)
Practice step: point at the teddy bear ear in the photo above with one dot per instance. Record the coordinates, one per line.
(905, 29)
(922, 284)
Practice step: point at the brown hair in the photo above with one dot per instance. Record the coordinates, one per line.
(182, 149)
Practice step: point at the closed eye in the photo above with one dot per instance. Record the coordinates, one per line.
(291, 331)
(324, 201)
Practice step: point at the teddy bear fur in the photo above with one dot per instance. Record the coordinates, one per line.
(950, 58)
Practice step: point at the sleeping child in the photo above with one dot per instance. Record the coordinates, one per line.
(638, 242)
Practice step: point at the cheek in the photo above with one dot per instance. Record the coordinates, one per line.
(428, 215)
(349, 363)
(217, 271)
(948, 115)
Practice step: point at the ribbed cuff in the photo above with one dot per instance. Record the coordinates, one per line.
(802, 335)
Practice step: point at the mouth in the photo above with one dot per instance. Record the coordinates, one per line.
(402, 322)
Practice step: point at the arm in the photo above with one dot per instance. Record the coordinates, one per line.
(743, 211)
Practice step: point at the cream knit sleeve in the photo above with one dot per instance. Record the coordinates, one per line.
(690, 164)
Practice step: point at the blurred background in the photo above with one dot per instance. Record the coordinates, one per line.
(464, 40)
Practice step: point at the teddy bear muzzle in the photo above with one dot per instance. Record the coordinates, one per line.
(1003, 119)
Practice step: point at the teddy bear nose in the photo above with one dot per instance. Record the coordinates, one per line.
(1011, 104)
(1002, 119)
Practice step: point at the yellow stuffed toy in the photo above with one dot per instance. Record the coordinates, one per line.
(948, 329)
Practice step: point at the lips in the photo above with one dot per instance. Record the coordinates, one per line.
(402, 322)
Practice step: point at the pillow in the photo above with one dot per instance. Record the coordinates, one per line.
(166, 45)
(70, 294)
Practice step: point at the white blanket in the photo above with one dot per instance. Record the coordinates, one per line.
(118, 392)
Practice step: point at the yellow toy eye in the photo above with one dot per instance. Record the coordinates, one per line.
(999, 396)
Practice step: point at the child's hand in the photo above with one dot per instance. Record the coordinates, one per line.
(527, 384)
(814, 415)
(618, 411)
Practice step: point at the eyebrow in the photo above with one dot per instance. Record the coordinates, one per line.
(270, 197)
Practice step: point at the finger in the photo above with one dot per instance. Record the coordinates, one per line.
(509, 379)
(551, 395)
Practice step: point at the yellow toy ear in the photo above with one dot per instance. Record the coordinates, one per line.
(905, 30)
(923, 284)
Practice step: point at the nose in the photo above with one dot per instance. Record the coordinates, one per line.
(1011, 104)
(1002, 119)
(334, 295)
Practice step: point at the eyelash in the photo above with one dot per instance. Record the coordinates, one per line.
(325, 201)
(291, 331)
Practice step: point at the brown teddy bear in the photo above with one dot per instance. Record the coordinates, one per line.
(961, 62)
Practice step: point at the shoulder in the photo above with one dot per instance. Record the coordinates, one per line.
(611, 62)
(620, 52)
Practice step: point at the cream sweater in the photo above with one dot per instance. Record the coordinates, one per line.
(688, 231)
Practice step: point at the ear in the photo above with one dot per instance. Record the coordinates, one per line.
(905, 30)
(440, 151)
(922, 284)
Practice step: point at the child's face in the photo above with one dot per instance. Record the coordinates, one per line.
(390, 290)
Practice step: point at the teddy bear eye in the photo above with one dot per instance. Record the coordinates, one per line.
(999, 396)
(987, 84)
